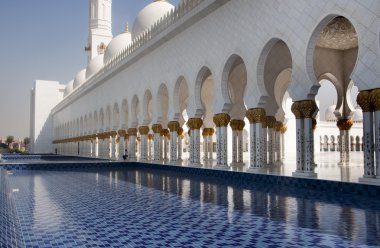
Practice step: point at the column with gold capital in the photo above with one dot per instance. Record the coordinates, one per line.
(271, 122)
(205, 142)
(173, 127)
(344, 126)
(308, 109)
(150, 139)
(96, 152)
(375, 100)
(221, 122)
(296, 109)
(210, 143)
(165, 135)
(144, 130)
(179, 142)
(237, 141)
(132, 133)
(257, 119)
(157, 128)
(195, 154)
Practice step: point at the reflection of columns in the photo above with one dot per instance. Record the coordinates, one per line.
(157, 128)
(237, 127)
(257, 119)
(344, 126)
(195, 154)
(144, 130)
(221, 122)
(150, 138)
(304, 111)
(173, 127)
(271, 122)
(132, 132)
(363, 99)
(180, 138)
(375, 100)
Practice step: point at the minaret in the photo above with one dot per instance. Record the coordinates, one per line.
(100, 29)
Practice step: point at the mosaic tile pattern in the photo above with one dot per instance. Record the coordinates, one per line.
(145, 207)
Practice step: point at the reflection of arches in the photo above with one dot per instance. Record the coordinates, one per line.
(234, 81)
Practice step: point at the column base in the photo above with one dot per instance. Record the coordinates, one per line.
(260, 170)
(174, 162)
(370, 180)
(237, 164)
(195, 165)
(221, 167)
(306, 174)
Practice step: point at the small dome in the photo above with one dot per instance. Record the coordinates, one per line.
(94, 65)
(329, 114)
(357, 116)
(80, 78)
(149, 15)
(116, 45)
(69, 88)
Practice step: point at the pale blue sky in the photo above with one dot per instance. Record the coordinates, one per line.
(45, 39)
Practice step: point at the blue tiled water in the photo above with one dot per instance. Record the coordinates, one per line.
(133, 207)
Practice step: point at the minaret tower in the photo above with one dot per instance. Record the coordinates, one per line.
(100, 29)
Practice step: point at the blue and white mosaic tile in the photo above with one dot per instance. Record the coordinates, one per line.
(140, 207)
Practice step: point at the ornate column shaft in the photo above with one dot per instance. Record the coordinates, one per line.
(150, 138)
(132, 133)
(96, 152)
(195, 154)
(165, 137)
(205, 143)
(221, 122)
(375, 101)
(157, 128)
(257, 119)
(308, 109)
(297, 111)
(271, 122)
(144, 130)
(364, 100)
(210, 143)
(344, 126)
(180, 138)
(237, 127)
(173, 127)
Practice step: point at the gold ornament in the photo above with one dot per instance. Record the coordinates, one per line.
(194, 123)
(157, 128)
(173, 126)
(221, 120)
(375, 99)
(143, 130)
(132, 131)
(364, 101)
(344, 124)
(255, 115)
(237, 125)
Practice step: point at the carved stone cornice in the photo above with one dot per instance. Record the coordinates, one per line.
(194, 123)
(237, 125)
(173, 126)
(221, 120)
(132, 131)
(375, 99)
(364, 101)
(143, 130)
(256, 115)
(157, 128)
(344, 124)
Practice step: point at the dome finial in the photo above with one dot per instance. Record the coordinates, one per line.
(126, 28)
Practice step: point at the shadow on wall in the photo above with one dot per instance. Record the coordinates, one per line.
(44, 139)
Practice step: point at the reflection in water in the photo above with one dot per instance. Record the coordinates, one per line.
(323, 212)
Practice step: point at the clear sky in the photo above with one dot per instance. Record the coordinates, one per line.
(45, 39)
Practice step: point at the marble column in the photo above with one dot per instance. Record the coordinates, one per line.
(205, 142)
(157, 128)
(375, 100)
(344, 126)
(237, 127)
(132, 133)
(165, 136)
(304, 111)
(221, 122)
(257, 119)
(96, 149)
(173, 127)
(271, 122)
(144, 130)
(150, 139)
(194, 125)
(210, 143)
(364, 100)
(180, 138)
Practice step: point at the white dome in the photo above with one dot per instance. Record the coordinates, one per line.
(80, 78)
(116, 45)
(329, 114)
(69, 88)
(94, 66)
(357, 116)
(149, 15)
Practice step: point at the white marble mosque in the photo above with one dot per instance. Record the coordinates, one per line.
(224, 83)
